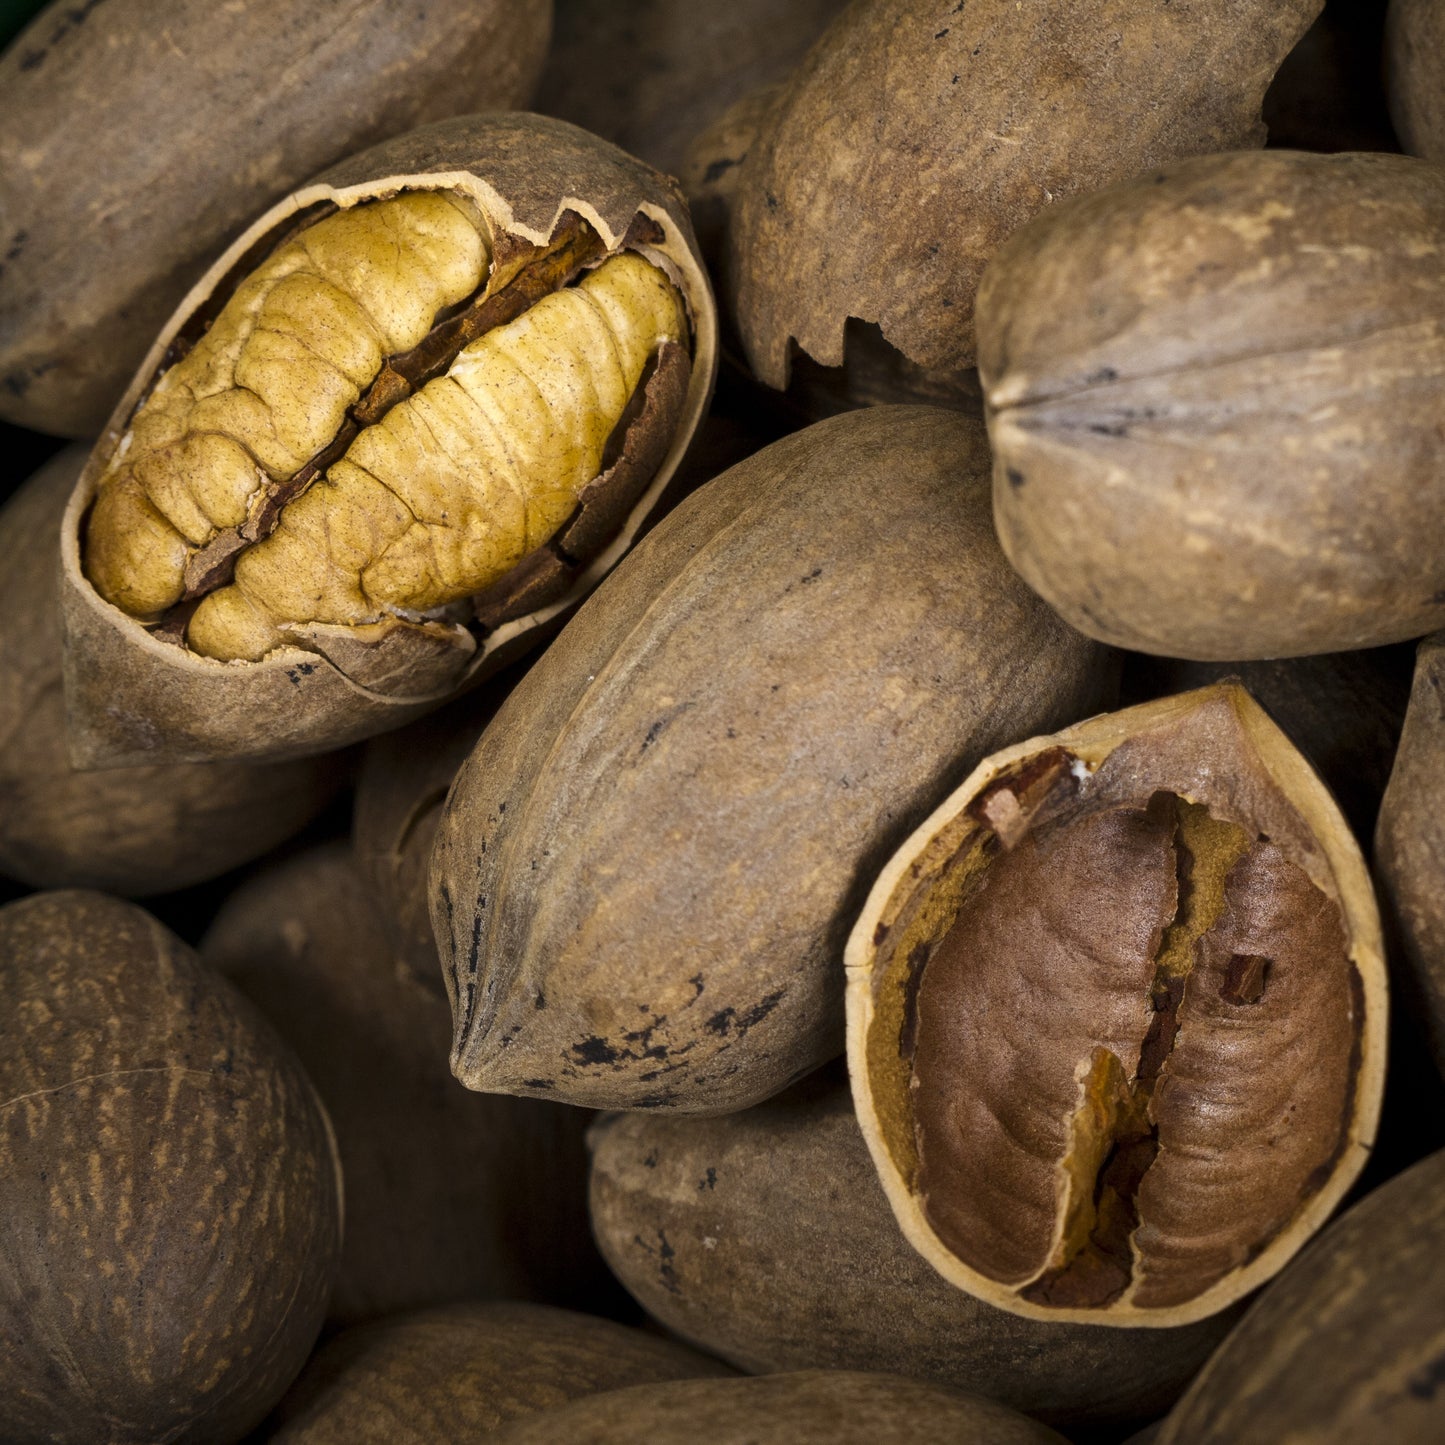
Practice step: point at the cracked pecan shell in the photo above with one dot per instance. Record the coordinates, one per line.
(133, 831)
(410, 418)
(917, 134)
(1116, 1016)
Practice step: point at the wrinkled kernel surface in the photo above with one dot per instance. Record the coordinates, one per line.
(453, 487)
(269, 384)
(442, 496)
(1133, 1057)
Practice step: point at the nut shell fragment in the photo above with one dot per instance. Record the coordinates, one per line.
(916, 135)
(1116, 1016)
(131, 692)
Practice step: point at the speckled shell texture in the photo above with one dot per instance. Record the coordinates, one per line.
(765, 1238)
(918, 133)
(815, 1407)
(136, 136)
(1415, 75)
(460, 1373)
(1410, 843)
(1346, 1344)
(647, 867)
(1214, 399)
(131, 697)
(168, 1183)
(135, 831)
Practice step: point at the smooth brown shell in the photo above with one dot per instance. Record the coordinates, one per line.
(917, 134)
(1217, 748)
(646, 869)
(168, 1182)
(135, 137)
(1346, 1345)
(449, 1195)
(813, 1407)
(1410, 843)
(1415, 75)
(1213, 398)
(447, 1376)
(131, 697)
(140, 830)
(764, 1237)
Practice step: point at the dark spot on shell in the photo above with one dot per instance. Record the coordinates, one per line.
(536, 1083)
(1425, 1383)
(595, 1051)
(709, 1180)
(728, 1020)
(1015, 477)
(1104, 373)
(717, 169)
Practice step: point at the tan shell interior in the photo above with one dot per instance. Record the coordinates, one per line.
(919, 896)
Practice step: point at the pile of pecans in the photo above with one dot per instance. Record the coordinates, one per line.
(768, 713)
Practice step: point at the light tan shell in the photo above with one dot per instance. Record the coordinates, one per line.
(915, 898)
(132, 698)
(644, 872)
(1214, 396)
